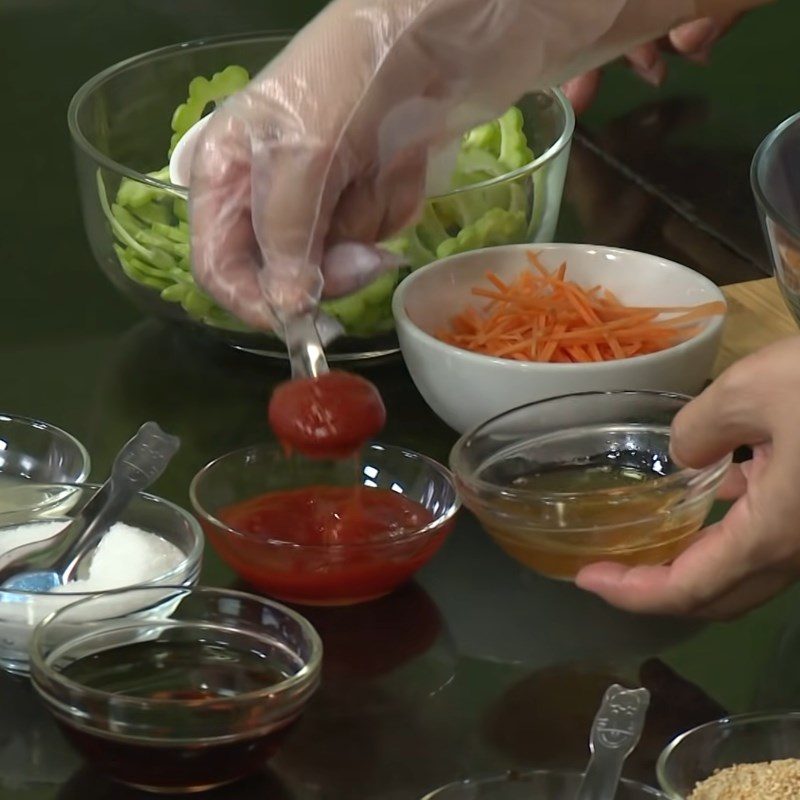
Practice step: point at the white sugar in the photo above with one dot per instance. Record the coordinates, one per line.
(16, 535)
(126, 556)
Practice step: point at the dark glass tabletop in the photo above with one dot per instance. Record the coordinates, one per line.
(479, 665)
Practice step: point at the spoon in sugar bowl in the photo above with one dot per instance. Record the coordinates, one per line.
(43, 565)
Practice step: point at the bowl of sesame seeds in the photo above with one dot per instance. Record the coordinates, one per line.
(744, 757)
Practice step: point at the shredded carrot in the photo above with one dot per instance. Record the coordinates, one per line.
(543, 316)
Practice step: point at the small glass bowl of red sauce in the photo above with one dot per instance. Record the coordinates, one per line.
(196, 690)
(316, 532)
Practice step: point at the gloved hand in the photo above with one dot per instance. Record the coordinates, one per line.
(329, 145)
(754, 551)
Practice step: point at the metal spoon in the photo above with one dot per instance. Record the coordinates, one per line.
(615, 733)
(41, 566)
(306, 354)
(300, 332)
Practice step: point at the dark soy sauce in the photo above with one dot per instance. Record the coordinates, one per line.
(193, 672)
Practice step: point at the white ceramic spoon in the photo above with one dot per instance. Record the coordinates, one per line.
(180, 162)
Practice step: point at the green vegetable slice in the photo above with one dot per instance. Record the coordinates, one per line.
(203, 91)
(135, 194)
(497, 226)
(374, 299)
(484, 137)
(514, 150)
(181, 210)
(150, 225)
(155, 213)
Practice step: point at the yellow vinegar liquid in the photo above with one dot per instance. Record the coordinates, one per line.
(563, 518)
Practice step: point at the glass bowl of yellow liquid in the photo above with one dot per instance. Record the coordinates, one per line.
(572, 480)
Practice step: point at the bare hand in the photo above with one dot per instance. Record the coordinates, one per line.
(693, 40)
(754, 551)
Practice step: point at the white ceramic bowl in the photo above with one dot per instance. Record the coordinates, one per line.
(465, 388)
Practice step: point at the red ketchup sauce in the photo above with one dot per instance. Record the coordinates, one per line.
(326, 544)
(331, 416)
(372, 557)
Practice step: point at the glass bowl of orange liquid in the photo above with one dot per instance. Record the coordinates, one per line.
(572, 480)
(325, 532)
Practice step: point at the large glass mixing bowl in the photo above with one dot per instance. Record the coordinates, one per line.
(120, 121)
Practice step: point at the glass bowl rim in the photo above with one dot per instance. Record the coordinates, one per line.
(757, 165)
(97, 80)
(40, 424)
(731, 721)
(303, 677)
(190, 558)
(434, 526)
(705, 474)
(514, 775)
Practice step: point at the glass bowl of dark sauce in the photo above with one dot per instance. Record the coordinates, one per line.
(198, 690)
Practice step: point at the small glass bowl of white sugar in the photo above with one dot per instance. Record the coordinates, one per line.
(155, 543)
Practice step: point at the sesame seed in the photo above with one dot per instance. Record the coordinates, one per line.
(773, 780)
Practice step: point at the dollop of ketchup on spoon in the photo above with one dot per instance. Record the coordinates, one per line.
(330, 416)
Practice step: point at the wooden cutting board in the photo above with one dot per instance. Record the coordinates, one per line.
(757, 316)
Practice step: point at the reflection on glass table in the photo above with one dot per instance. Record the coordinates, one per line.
(566, 695)
(604, 205)
(389, 668)
(500, 611)
(32, 751)
(86, 783)
(399, 642)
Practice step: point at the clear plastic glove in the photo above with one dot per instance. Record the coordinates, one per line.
(754, 551)
(329, 145)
